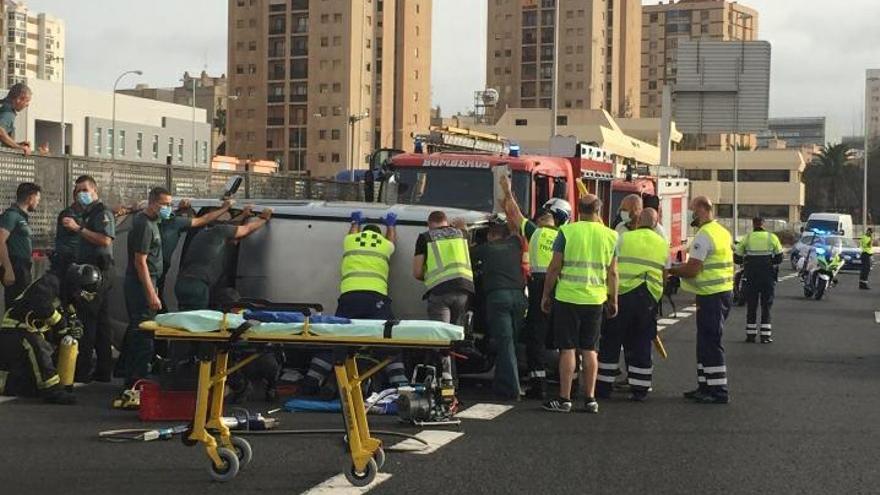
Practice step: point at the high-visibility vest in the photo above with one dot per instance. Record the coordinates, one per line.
(760, 243)
(447, 258)
(866, 242)
(541, 248)
(641, 257)
(717, 273)
(366, 259)
(589, 250)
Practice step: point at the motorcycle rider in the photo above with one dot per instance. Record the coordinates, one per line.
(820, 257)
(760, 254)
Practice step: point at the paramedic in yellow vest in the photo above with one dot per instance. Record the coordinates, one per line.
(866, 242)
(642, 258)
(540, 234)
(363, 289)
(708, 274)
(442, 261)
(760, 254)
(581, 282)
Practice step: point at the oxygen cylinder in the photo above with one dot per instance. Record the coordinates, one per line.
(67, 352)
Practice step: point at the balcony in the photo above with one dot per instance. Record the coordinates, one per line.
(275, 121)
(275, 99)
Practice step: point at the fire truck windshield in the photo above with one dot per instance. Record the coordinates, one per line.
(467, 189)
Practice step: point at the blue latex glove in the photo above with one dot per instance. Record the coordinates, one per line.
(358, 217)
(390, 219)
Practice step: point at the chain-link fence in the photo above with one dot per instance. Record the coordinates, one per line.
(125, 183)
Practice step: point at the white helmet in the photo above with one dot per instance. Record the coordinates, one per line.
(560, 209)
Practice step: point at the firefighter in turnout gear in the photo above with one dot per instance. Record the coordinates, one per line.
(866, 243)
(541, 234)
(363, 287)
(708, 274)
(642, 258)
(37, 321)
(760, 253)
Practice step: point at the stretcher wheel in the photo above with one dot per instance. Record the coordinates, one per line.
(243, 450)
(228, 470)
(360, 479)
(185, 437)
(379, 457)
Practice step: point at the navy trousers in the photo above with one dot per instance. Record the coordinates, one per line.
(712, 310)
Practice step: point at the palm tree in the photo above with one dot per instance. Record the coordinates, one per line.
(829, 166)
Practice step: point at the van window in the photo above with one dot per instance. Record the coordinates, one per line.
(823, 225)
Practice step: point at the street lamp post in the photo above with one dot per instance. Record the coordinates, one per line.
(113, 134)
(353, 119)
(194, 147)
(63, 125)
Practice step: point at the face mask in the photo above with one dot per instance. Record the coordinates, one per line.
(624, 216)
(165, 212)
(84, 198)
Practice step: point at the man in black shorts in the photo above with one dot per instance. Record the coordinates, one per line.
(583, 274)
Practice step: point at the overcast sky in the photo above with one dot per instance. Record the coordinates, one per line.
(821, 48)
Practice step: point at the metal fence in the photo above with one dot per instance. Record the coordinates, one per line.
(125, 183)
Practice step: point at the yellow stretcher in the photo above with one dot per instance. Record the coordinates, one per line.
(229, 454)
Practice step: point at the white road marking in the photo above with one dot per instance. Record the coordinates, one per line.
(435, 439)
(660, 328)
(681, 314)
(692, 309)
(484, 411)
(338, 485)
(877, 317)
(6, 399)
(666, 321)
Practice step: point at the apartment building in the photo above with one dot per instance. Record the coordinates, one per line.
(795, 131)
(770, 181)
(210, 95)
(666, 24)
(872, 104)
(319, 84)
(599, 54)
(33, 46)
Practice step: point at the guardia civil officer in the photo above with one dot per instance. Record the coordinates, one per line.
(708, 274)
(760, 253)
(16, 246)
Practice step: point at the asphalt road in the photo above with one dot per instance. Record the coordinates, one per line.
(803, 419)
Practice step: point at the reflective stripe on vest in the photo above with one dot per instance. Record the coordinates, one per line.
(589, 249)
(447, 258)
(760, 243)
(365, 263)
(641, 258)
(717, 273)
(541, 248)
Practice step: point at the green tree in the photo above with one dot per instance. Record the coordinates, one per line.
(832, 180)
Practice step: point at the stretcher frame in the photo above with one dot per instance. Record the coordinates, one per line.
(228, 453)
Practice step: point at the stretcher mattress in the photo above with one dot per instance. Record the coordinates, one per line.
(205, 321)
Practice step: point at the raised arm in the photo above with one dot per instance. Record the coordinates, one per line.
(515, 217)
(212, 216)
(249, 228)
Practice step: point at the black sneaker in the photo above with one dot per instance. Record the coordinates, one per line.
(638, 396)
(766, 340)
(559, 405)
(750, 339)
(591, 406)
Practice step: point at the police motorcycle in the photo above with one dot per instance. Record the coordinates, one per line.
(819, 272)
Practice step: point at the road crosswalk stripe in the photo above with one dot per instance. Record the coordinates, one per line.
(338, 485)
(484, 411)
(6, 399)
(435, 439)
(667, 321)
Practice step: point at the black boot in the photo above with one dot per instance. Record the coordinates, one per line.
(750, 339)
(537, 389)
(57, 395)
(766, 339)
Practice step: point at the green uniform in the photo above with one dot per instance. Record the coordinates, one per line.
(170, 230)
(66, 241)
(143, 238)
(202, 266)
(7, 119)
(99, 219)
(15, 221)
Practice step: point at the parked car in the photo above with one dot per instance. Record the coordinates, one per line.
(849, 249)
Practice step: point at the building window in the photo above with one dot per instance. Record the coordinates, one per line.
(521, 122)
(155, 146)
(170, 147)
(698, 174)
(335, 134)
(139, 145)
(99, 134)
(204, 152)
(322, 134)
(334, 157)
(121, 142)
(109, 141)
(562, 120)
(322, 158)
(763, 175)
(180, 148)
(652, 84)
